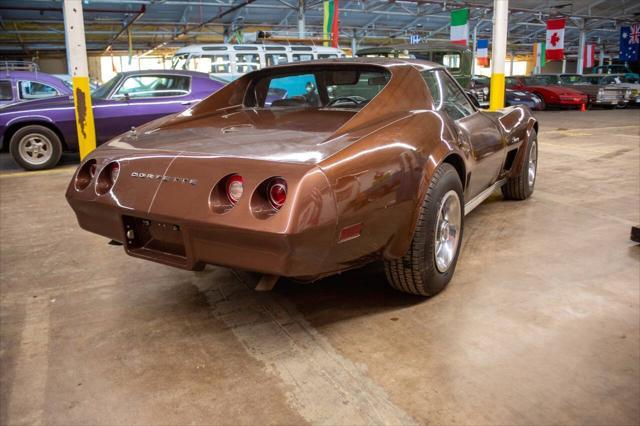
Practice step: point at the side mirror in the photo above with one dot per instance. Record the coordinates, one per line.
(124, 97)
(473, 99)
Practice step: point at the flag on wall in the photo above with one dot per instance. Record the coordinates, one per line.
(460, 26)
(539, 55)
(629, 43)
(555, 39)
(330, 33)
(482, 52)
(589, 56)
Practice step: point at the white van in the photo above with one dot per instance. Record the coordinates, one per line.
(229, 61)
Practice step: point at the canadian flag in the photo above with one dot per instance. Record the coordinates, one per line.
(555, 39)
(589, 55)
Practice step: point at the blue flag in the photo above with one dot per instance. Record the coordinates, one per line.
(629, 45)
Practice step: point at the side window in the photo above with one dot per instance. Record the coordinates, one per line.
(247, 62)
(276, 58)
(210, 64)
(6, 93)
(327, 56)
(299, 57)
(153, 86)
(35, 90)
(447, 95)
(295, 90)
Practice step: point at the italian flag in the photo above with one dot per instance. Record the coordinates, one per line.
(555, 39)
(539, 55)
(460, 26)
(330, 30)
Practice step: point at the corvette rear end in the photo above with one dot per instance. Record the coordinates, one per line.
(310, 169)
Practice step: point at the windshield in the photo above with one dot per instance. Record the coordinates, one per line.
(572, 79)
(540, 80)
(322, 88)
(103, 91)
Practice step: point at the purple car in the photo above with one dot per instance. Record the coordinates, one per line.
(19, 86)
(38, 131)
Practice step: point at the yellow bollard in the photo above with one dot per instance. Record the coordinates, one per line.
(84, 116)
(496, 92)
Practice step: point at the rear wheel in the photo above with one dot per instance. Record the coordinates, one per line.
(521, 186)
(543, 104)
(429, 264)
(35, 147)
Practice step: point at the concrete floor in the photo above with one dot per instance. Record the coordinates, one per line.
(540, 325)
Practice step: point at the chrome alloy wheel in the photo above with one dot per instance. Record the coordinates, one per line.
(533, 163)
(35, 148)
(447, 235)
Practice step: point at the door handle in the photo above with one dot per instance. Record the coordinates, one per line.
(186, 102)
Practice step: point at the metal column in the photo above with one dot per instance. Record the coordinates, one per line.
(79, 71)
(513, 56)
(583, 36)
(301, 25)
(498, 53)
(474, 48)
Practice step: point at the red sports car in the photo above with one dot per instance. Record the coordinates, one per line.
(550, 93)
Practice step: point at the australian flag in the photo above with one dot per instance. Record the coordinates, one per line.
(629, 43)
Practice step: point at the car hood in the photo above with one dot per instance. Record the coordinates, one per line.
(288, 135)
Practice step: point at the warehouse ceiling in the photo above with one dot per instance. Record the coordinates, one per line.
(37, 25)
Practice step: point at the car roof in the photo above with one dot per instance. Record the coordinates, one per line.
(168, 72)
(388, 63)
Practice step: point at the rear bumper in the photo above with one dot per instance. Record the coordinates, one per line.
(190, 245)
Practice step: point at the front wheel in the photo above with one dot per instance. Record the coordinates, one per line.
(35, 147)
(521, 187)
(429, 264)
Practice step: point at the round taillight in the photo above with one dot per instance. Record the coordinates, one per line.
(235, 187)
(85, 175)
(107, 178)
(277, 193)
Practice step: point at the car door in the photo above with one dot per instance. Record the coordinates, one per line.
(477, 132)
(141, 98)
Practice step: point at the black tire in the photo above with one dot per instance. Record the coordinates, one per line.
(520, 187)
(543, 104)
(417, 272)
(43, 143)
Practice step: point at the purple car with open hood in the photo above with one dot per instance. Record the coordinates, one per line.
(38, 131)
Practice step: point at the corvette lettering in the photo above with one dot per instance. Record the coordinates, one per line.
(164, 178)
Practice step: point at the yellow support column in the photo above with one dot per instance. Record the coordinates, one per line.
(79, 70)
(498, 53)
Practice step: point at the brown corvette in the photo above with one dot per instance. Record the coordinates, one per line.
(310, 169)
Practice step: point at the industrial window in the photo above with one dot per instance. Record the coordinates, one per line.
(6, 93)
(153, 86)
(35, 90)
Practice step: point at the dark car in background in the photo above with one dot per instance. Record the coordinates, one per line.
(522, 97)
(38, 131)
(20, 86)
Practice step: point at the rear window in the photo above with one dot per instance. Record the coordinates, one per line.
(5, 90)
(35, 90)
(324, 88)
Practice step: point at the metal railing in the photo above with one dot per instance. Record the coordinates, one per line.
(18, 66)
